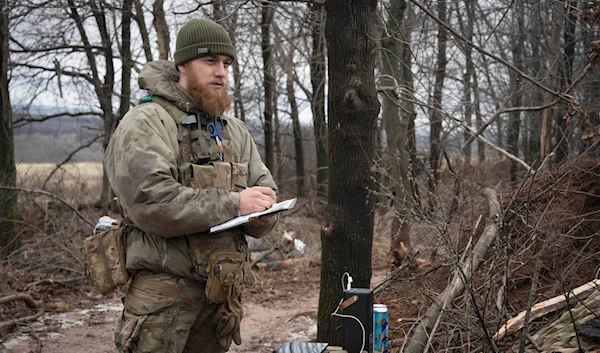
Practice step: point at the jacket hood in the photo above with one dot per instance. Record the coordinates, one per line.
(161, 78)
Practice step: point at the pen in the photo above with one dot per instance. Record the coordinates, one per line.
(245, 187)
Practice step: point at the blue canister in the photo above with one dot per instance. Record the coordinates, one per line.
(380, 328)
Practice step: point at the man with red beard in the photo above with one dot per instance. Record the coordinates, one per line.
(174, 163)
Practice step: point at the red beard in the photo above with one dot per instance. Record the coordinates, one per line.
(210, 101)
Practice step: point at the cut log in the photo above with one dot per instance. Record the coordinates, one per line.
(546, 307)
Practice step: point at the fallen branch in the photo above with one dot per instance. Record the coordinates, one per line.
(30, 286)
(30, 303)
(41, 307)
(262, 256)
(462, 274)
(546, 307)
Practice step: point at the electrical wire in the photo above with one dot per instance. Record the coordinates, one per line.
(335, 313)
(357, 320)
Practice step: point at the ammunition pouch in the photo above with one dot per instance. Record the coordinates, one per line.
(221, 175)
(105, 256)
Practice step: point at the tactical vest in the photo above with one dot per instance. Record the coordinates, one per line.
(204, 163)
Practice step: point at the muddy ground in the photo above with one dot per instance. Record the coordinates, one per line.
(280, 307)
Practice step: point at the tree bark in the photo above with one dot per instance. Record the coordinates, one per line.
(126, 58)
(297, 128)
(478, 117)
(398, 161)
(103, 89)
(162, 29)
(563, 132)
(9, 240)
(238, 105)
(435, 115)
(347, 231)
(317, 102)
(268, 81)
(551, 82)
(514, 120)
(408, 114)
(468, 74)
(139, 19)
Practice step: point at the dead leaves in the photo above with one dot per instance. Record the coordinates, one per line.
(590, 14)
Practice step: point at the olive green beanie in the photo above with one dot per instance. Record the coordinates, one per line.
(201, 37)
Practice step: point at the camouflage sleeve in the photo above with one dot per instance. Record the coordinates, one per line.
(258, 173)
(141, 165)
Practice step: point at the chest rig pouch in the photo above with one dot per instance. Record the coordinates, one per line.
(205, 163)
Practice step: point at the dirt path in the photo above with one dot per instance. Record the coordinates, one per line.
(278, 307)
(271, 316)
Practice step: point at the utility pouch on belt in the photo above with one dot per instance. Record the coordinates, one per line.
(105, 256)
(225, 275)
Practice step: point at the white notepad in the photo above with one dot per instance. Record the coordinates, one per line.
(238, 221)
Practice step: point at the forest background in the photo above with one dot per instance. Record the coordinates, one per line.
(407, 106)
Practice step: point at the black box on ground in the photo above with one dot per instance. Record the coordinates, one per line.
(362, 309)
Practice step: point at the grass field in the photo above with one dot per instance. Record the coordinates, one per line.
(75, 182)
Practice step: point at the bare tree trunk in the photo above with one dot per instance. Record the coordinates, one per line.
(162, 29)
(238, 105)
(347, 231)
(514, 121)
(536, 97)
(551, 81)
(435, 115)
(563, 132)
(9, 240)
(478, 117)
(278, 161)
(317, 103)
(139, 18)
(408, 114)
(397, 133)
(103, 89)
(468, 74)
(126, 58)
(268, 80)
(297, 128)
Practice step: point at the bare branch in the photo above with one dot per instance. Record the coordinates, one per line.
(68, 158)
(43, 192)
(52, 69)
(468, 43)
(24, 121)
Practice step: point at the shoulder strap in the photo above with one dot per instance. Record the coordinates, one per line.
(183, 134)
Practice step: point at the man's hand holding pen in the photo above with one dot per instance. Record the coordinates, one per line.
(257, 199)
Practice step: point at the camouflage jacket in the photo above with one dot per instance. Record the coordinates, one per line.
(141, 162)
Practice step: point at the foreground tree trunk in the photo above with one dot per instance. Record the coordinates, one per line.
(8, 173)
(347, 231)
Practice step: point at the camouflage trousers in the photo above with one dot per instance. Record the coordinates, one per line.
(166, 313)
